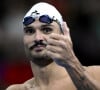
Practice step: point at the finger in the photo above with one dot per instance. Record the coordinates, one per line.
(62, 39)
(66, 31)
(55, 36)
(59, 43)
(53, 55)
(54, 42)
(57, 58)
(54, 49)
(65, 28)
(58, 37)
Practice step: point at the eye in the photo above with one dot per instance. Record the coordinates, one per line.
(29, 30)
(47, 30)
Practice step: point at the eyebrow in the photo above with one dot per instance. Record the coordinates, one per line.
(44, 25)
(27, 27)
(47, 25)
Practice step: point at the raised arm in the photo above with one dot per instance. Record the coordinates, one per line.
(64, 56)
(81, 77)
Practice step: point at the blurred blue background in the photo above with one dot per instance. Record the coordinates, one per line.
(82, 17)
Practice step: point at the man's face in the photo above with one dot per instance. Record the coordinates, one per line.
(35, 36)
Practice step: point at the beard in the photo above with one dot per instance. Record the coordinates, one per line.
(41, 59)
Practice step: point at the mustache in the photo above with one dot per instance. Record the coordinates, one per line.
(37, 43)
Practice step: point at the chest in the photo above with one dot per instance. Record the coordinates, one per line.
(60, 85)
(66, 85)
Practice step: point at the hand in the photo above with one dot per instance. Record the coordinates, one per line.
(59, 46)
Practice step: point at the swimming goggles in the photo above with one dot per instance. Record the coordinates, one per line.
(44, 19)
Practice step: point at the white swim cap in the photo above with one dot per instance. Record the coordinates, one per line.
(43, 8)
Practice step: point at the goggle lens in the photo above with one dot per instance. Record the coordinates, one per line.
(28, 20)
(45, 19)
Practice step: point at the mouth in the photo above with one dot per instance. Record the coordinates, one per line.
(37, 48)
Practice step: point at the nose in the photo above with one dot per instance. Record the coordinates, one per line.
(38, 36)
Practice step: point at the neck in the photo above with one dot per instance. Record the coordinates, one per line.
(49, 73)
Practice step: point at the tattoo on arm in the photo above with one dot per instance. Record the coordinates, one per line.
(80, 80)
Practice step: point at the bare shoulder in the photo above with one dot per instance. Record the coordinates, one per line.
(25, 86)
(30, 81)
(16, 87)
(94, 71)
